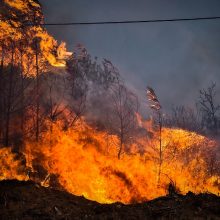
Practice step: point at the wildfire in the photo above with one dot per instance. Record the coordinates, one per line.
(83, 160)
(84, 163)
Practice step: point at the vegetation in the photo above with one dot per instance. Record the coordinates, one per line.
(64, 115)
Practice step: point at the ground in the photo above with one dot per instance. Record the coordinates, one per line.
(28, 200)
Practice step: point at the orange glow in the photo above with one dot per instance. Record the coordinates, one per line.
(11, 31)
(85, 163)
(11, 168)
(21, 5)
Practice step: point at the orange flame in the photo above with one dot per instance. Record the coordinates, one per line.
(12, 30)
(85, 162)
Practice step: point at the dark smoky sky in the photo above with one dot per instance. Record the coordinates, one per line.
(176, 59)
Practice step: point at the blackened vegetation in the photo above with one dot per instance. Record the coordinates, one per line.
(27, 200)
(210, 109)
(107, 103)
(204, 119)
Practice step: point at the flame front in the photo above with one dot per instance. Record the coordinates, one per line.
(84, 163)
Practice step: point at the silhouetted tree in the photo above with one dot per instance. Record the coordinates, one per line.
(209, 108)
(123, 115)
(183, 117)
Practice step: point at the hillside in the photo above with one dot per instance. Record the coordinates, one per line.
(27, 200)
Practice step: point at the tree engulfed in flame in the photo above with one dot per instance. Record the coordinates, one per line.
(22, 28)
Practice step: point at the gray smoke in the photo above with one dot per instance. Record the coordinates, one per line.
(176, 59)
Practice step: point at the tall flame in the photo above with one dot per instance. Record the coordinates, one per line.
(85, 162)
(20, 23)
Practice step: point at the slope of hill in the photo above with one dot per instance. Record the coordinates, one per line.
(27, 200)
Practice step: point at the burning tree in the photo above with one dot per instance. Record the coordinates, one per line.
(26, 50)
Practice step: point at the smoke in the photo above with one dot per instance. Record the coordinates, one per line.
(176, 59)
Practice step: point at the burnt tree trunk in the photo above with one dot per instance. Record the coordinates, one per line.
(8, 107)
(1, 92)
(160, 146)
(37, 90)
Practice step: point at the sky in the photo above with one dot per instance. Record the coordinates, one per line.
(177, 59)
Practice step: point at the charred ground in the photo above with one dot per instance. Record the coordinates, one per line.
(28, 200)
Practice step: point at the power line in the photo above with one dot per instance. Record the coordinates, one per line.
(131, 21)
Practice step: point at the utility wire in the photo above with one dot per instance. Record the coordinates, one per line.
(130, 22)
